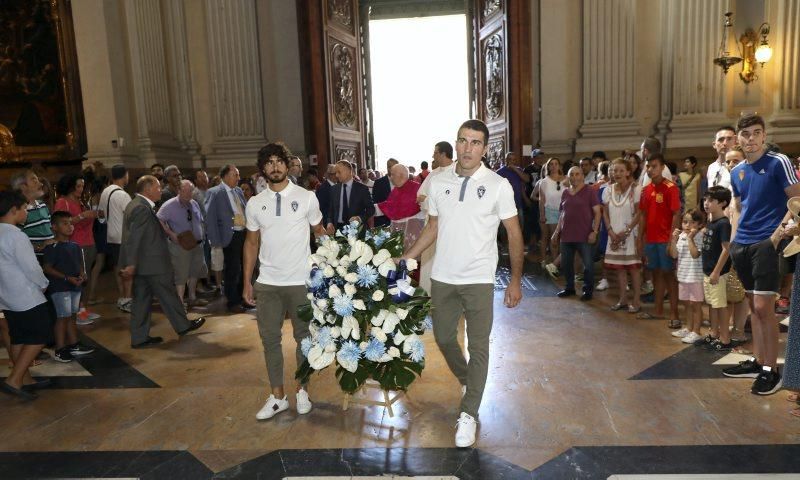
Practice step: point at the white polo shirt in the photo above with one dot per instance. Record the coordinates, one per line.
(285, 233)
(718, 174)
(468, 214)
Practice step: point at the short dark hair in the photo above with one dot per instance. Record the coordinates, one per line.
(67, 184)
(445, 148)
(145, 181)
(478, 126)
(423, 165)
(692, 159)
(59, 215)
(156, 165)
(696, 215)
(602, 167)
(656, 156)
(226, 168)
(599, 154)
(118, 171)
(588, 159)
(748, 120)
(718, 193)
(726, 127)
(10, 199)
(274, 149)
(652, 144)
(346, 164)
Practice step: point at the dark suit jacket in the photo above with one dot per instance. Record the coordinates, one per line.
(324, 198)
(219, 215)
(144, 243)
(380, 193)
(360, 203)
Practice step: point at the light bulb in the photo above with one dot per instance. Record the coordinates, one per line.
(763, 53)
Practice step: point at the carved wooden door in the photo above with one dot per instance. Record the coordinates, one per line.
(503, 73)
(332, 80)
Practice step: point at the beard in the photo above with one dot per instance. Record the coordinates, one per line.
(276, 177)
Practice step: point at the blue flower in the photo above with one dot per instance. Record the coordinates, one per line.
(417, 348)
(427, 323)
(343, 305)
(316, 279)
(306, 345)
(350, 230)
(375, 350)
(367, 276)
(349, 352)
(324, 337)
(381, 237)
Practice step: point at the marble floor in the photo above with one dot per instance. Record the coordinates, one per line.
(574, 391)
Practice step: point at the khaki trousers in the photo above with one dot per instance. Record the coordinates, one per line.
(272, 304)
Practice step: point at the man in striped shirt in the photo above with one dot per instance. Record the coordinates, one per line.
(37, 225)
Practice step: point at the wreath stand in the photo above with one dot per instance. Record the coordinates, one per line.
(362, 392)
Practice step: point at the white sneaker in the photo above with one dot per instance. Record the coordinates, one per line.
(303, 402)
(602, 285)
(691, 337)
(463, 390)
(465, 433)
(272, 407)
(552, 270)
(124, 304)
(680, 333)
(647, 287)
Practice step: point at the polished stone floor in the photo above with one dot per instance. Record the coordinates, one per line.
(574, 391)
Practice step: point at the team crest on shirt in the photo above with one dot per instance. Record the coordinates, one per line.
(295, 205)
(741, 175)
(481, 191)
(659, 198)
(264, 208)
(447, 192)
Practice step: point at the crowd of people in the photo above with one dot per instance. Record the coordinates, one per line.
(653, 232)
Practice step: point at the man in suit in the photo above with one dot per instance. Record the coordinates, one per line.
(381, 190)
(225, 227)
(324, 192)
(350, 200)
(145, 258)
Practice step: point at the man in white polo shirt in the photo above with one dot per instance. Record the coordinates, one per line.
(279, 218)
(466, 205)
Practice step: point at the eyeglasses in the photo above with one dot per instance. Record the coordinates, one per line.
(558, 185)
(188, 214)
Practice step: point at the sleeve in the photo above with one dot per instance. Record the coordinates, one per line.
(28, 263)
(506, 207)
(643, 200)
(734, 184)
(212, 229)
(369, 208)
(136, 222)
(433, 208)
(606, 195)
(162, 214)
(594, 198)
(724, 232)
(675, 199)
(61, 205)
(250, 212)
(637, 194)
(49, 255)
(314, 215)
(785, 172)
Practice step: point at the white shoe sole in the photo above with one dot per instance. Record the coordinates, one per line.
(272, 413)
(304, 410)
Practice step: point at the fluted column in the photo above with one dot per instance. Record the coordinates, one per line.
(698, 104)
(150, 80)
(609, 87)
(237, 104)
(785, 120)
(180, 79)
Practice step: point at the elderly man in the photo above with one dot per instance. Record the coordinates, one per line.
(37, 224)
(380, 192)
(324, 192)
(182, 220)
(402, 201)
(295, 169)
(172, 177)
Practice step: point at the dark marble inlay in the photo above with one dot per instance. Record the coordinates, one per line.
(107, 371)
(690, 363)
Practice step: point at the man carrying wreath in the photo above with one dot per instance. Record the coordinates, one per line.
(278, 219)
(466, 205)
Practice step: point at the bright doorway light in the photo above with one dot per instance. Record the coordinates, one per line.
(420, 85)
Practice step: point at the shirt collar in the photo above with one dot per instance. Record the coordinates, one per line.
(226, 187)
(149, 202)
(287, 190)
(477, 175)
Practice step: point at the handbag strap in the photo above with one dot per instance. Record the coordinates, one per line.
(108, 202)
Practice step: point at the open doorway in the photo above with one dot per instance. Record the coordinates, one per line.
(420, 85)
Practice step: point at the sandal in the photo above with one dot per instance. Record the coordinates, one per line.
(648, 316)
(632, 309)
(674, 324)
(618, 306)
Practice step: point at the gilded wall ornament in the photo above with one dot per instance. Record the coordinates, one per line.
(493, 68)
(496, 151)
(346, 152)
(343, 90)
(341, 11)
(490, 7)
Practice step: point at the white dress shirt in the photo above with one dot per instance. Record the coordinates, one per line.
(21, 279)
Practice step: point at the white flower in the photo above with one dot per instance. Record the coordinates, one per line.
(390, 323)
(319, 358)
(334, 291)
(348, 364)
(394, 291)
(402, 313)
(315, 259)
(409, 342)
(331, 347)
(378, 333)
(335, 263)
(318, 314)
(399, 338)
(310, 296)
(313, 330)
(359, 305)
(322, 304)
(356, 250)
(385, 267)
(381, 257)
(363, 346)
(377, 295)
(411, 264)
(377, 320)
(330, 318)
(341, 271)
(345, 261)
(385, 358)
(394, 352)
(350, 289)
(351, 277)
(322, 252)
(336, 332)
(350, 328)
(328, 272)
(365, 257)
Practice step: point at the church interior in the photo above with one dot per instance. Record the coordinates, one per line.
(574, 391)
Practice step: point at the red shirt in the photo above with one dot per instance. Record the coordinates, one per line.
(82, 235)
(402, 202)
(659, 202)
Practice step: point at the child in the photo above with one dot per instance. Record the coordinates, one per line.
(686, 246)
(716, 265)
(64, 267)
(22, 299)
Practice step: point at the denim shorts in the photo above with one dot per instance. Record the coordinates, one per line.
(551, 215)
(67, 303)
(657, 257)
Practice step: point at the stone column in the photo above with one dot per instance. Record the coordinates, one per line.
(237, 103)
(784, 124)
(698, 91)
(609, 88)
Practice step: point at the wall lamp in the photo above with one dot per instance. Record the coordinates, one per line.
(749, 53)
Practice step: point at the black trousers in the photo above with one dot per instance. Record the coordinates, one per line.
(233, 269)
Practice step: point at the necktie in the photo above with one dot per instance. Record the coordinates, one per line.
(238, 211)
(463, 189)
(345, 207)
(277, 204)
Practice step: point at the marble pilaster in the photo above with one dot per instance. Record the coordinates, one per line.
(784, 123)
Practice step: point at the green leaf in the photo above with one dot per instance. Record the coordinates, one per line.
(303, 372)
